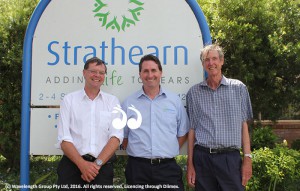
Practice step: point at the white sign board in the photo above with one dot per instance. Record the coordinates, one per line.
(119, 32)
(70, 31)
(44, 131)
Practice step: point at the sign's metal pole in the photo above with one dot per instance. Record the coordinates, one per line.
(26, 89)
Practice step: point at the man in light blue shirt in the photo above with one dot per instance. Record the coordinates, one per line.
(153, 146)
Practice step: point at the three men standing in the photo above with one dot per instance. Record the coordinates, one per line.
(218, 109)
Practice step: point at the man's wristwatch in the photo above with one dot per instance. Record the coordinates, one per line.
(98, 162)
(248, 155)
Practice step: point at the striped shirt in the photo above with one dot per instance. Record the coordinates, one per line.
(217, 115)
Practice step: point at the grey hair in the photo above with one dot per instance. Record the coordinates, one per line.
(210, 47)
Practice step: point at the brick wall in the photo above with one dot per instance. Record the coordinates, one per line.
(285, 129)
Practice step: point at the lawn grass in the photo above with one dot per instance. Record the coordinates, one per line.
(43, 172)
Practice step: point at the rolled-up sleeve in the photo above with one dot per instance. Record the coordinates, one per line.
(114, 132)
(182, 121)
(64, 124)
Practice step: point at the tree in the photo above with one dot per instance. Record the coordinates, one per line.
(14, 18)
(261, 39)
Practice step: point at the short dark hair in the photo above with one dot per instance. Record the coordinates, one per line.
(150, 57)
(94, 60)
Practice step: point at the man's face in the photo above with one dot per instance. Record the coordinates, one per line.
(150, 74)
(94, 76)
(212, 63)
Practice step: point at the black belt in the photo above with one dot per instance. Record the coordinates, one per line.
(153, 161)
(91, 158)
(217, 150)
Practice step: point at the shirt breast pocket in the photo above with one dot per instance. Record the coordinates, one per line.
(104, 123)
(170, 121)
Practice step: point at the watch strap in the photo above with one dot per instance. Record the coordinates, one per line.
(248, 155)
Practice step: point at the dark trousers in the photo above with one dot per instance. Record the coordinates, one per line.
(218, 171)
(69, 177)
(143, 175)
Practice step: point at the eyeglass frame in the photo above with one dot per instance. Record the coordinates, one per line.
(94, 72)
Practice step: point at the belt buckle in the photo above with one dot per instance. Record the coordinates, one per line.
(152, 161)
(211, 151)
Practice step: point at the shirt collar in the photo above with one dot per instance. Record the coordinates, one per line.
(224, 81)
(85, 96)
(141, 92)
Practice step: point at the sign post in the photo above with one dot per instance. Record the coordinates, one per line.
(60, 38)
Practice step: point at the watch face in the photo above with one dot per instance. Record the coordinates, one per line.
(99, 162)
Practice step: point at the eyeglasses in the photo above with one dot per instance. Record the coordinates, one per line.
(94, 72)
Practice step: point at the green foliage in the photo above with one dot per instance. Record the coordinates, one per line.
(43, 172)
(261, 39)
(296, 145)
(119, 169)
(14, 18)
(275, 169)
(263, 137)
(182, 161)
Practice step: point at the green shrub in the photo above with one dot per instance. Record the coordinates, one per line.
(263, 137)
(14, 18)
(275, 169)
(43, 172)
(296, 145)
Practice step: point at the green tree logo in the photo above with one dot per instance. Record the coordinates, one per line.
(114, 22)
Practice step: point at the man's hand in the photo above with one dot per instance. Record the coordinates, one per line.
(191, 175)
(125, 143)
(89, 170)
(246, 170)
